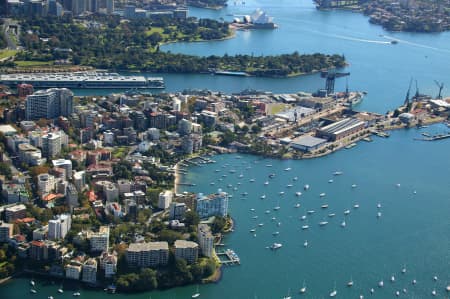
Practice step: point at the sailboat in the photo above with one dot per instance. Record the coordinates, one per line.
(288, 295)
(350, 283)
(303, 288)
(305, 244)
(197, 294)
(277, 207)
(343, 224)
(334, 292)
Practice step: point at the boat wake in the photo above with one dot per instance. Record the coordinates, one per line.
(416, 44)
(349, 38)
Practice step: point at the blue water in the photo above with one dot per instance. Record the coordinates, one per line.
(413, 229)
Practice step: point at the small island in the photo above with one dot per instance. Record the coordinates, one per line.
(408, 15)
(108, 42)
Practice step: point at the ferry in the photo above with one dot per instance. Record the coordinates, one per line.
(95, 80)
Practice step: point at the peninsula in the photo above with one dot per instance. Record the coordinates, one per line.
(89, 184)
(409, 15)
(109, 43)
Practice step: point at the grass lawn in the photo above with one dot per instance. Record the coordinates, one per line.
(33, 63)
(7, 53)
(276, 108)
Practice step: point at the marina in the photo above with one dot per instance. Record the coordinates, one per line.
(228, 257)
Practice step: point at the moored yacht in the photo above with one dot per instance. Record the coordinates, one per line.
(298, 193)
(276, 246)
(306, 187)
(322, 194)
(323, 223)
(346, 212)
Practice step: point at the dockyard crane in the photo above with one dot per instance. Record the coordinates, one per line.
(330, 79)
(441, 86)
(406, 103)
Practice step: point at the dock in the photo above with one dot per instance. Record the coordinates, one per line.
(434, 137)
(231, 258)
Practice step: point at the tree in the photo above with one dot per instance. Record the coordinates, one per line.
(148, 279)
(209, 268)
(191, 218)
(170, 236)
(5, 170)
(218, 224)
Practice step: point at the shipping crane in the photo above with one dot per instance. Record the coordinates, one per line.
(406, 103)
(330, 79)
(441, 86)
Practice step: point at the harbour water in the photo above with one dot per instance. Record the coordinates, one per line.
(413, 229)
(382, 69)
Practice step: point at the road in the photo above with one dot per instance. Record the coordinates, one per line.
(9, 29)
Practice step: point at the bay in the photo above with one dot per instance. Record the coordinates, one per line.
(413, 229)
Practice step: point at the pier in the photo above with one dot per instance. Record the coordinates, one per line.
(434, 137)
(231, 258)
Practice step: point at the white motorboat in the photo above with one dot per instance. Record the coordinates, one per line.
(397, 293)
(305, 226)
(322, 194)
(276, 246)
(379, 205)
(378, 214)
(337, 173)
(354, 185)
(323, 223)
(244, 193)
(32, 283)
(311, 212)
(356, 206)
(433, 292)
(372, 291)
(306, 187)
(273, 218)
(324, 206)
(403, 270)
(298, 193)
(252, 209)
(435, 278)
(380, 283)
(267, 211)
(33, 291)
(241, 175)
(289, 185)
(303, 217)
(276, 208)
(50, 297)
(263, 196)
(398, 185)
(297, 205)
(212, 183)
(414, 281)
(331, 215)
(333, 293)
(253, 230)
(404, 291)
(255, 217)
(295, 179)
(343, 223)
(252, 180)
(275, 233)
(60, 290)
(76, 294)
(305, 244)
(268, 165)
(281, 192)
(346, 212)
(260, 224)
(287, 169)
(266, 183)
(392, 278)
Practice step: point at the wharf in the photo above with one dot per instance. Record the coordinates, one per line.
(434, 137)
(231, 257)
